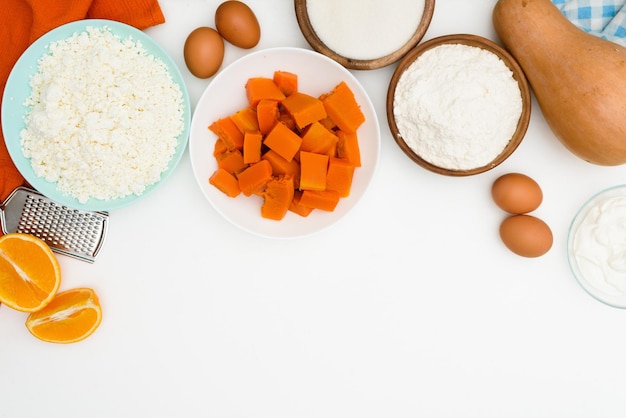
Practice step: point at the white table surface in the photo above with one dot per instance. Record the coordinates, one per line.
(409, 307)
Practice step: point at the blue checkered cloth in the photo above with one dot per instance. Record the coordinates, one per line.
(603, 18)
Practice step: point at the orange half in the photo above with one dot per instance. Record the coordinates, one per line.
(71, 316)
(30, 274)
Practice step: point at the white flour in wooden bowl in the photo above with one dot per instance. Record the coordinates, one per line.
(457, 106)
(104, 116)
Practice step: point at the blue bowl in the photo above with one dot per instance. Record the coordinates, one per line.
(18, 90)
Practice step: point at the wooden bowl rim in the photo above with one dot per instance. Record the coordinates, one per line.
(471, 40)
(314, 41)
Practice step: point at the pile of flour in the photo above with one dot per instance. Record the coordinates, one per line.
(457, 106)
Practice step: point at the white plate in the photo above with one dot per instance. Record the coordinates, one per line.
(225, 95)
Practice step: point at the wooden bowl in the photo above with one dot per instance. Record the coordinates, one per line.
(361, 64)
(471, 40)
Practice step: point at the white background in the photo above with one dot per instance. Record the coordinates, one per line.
(408, 307)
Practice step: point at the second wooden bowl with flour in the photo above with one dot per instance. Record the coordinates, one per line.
(458, 105)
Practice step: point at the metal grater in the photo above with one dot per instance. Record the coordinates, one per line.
(76, 233)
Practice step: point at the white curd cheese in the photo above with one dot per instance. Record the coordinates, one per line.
(457, 106)
(104, 116)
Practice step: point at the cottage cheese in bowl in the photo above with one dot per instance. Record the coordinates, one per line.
(104, 118)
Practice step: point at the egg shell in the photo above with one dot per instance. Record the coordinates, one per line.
(526, 235)
(204, 52)
(238, 24)
(516, 193)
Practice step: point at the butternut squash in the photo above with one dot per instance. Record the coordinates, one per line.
(578, 79)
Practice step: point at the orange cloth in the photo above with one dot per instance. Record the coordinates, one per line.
(24, 21)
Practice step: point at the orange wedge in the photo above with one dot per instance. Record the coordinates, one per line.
(30, 274)
(71, 316)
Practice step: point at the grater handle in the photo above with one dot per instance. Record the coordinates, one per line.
(10, 210)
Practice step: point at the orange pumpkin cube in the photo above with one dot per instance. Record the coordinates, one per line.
(313, 169)
(227, 131)
(317, 138)
(348, 147)
(231, 161)
(277, 197)
(339, 177)
(259, 88)
(253, 179)
(252, 142)
(284, 141)
(281, 166)
(298, 208)
(246, 120)
(326, 200)
(267, 114)
(342, 107)
(286, 81)
(225, 182)
(305, 109)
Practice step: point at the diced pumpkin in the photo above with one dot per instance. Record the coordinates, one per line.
(326, 200)
(348, 147)
(286, 119)
(246, 120)
(280, 166)
(227, 131)
(225, 182)
(252, 142)
(339, 177)
(286, 81)
(277, 197)
(286, 148)
(328, 123)
(259, 88)
(219, 147)
(253, 179)
(304, 108)
(342, 107)
(313, 169)
(298, 208)
(316, 138)
(231, 161)
(284, 141)
(267, 114)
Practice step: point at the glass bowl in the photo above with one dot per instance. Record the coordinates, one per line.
(596, 246)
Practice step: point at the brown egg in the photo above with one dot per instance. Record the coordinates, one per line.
(526, 235)
(237, 23)
(204, 52)
(516, 193)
